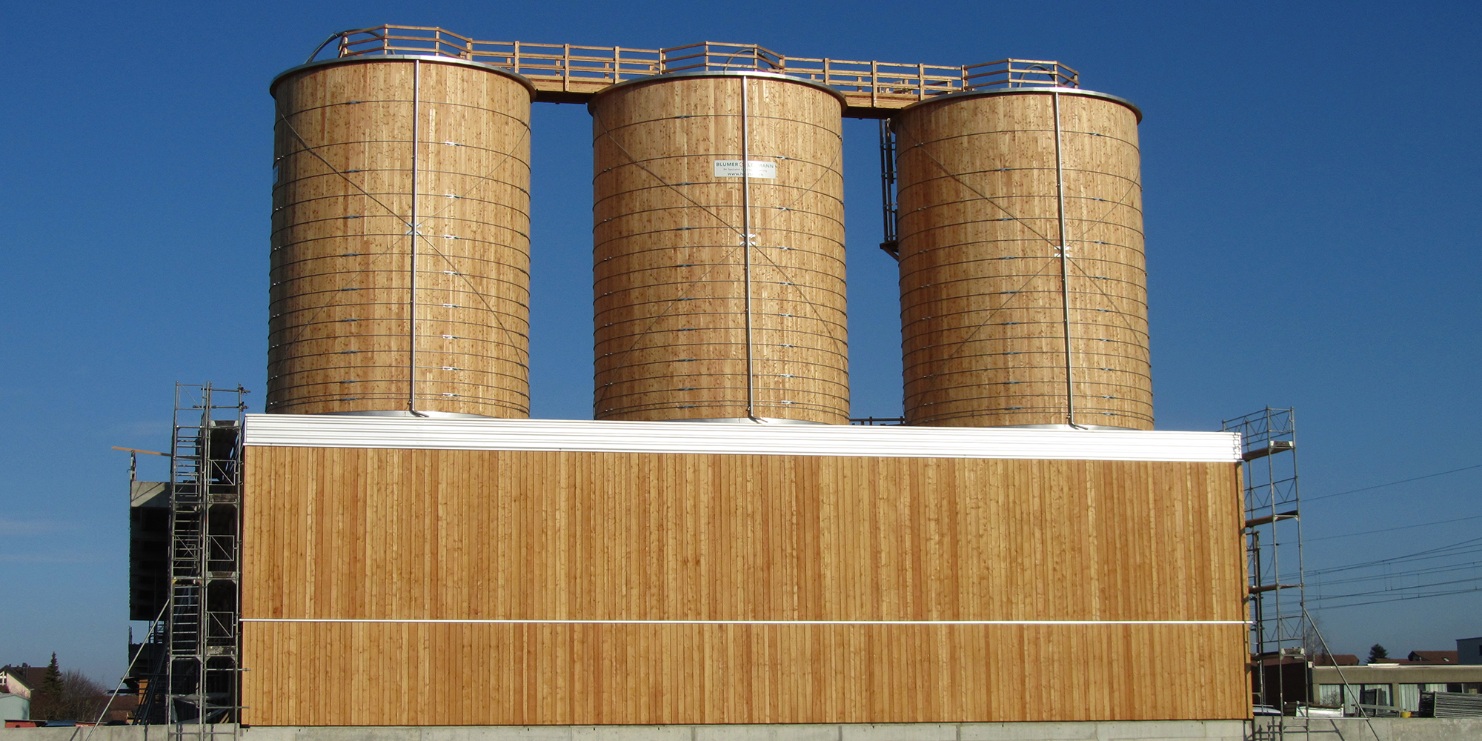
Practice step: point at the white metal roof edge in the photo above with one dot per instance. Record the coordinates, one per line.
(345, 431)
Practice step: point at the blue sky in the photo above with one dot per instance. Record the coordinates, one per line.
(1311, 184)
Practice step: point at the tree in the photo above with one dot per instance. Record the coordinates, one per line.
(68, 695)
(1377, 653)
(44, 698)
(81, 698)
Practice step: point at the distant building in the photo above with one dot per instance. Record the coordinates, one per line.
(1469, 650)
(1393, 685)
(1433, 657)
(120, 707)
(14, 707)
(1390, 687)
(21, 680)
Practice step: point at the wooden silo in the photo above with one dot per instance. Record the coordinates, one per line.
(999, 326)
(400, 246)
(694, 320)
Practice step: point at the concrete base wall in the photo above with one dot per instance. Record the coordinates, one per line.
(1089, 731)
(1348, 729)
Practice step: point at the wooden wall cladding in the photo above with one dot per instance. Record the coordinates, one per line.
(983, 328)
(354, 674)
(341, 335)
(669, 281)
(450, 588)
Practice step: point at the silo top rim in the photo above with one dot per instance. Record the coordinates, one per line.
(843, 102)
(1025, 90)
(273, 86)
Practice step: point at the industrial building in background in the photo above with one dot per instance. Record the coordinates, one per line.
(719, 545)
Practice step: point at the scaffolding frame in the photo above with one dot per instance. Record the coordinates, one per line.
(201, 619)
(1280, 669)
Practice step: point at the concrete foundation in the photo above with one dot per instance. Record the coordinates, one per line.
(1089, 731)
(1349, 729)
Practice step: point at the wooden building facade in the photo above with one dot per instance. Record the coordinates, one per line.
(404, 571)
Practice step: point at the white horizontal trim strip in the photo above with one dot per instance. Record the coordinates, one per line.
(737, 438)
(745, 622)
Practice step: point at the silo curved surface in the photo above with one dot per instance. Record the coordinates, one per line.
(986, 301)
(672, 335)
(400, 260)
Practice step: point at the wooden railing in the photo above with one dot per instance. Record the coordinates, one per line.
(578, 71)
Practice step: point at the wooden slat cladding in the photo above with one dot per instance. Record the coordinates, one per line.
(426, 535)
(544, 674)
(341, 335)
(670, 282)
(981, 278)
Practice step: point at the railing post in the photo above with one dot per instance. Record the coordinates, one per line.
(515, 59)
(617, 64)
(566, 67)
(874, 83)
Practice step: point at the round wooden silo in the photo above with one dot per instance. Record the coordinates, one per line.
(998, 328)
(400, 243)
(692, 322)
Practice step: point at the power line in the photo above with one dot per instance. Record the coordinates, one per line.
(1393, 529)
(1404, 597)
(1373, 592)
(1437, 552)
(1393, 483)
(1410, 592)
(1401, 574)
(1390, 577)
(1429, 556)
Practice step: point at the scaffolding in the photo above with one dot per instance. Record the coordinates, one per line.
(194, 682)
(1281, 678)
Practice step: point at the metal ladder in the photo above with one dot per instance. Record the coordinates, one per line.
(888, 203)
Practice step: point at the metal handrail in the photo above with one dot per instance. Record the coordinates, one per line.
(1020, 73)
(567, 63)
